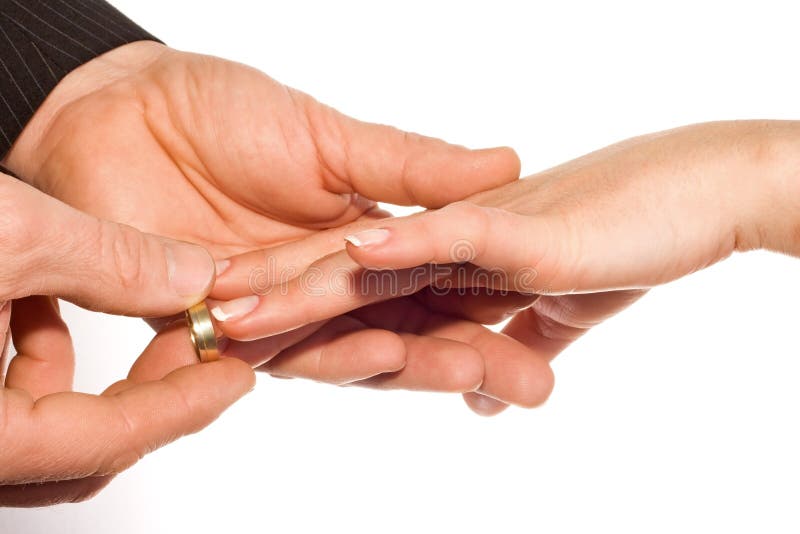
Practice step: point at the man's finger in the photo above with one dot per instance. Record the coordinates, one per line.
(433, 364)
(71, 435)
(389, 165)
(513, 372)
(45, 359)
(260, 351)
(341, 352)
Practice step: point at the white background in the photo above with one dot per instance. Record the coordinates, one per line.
(679, 415)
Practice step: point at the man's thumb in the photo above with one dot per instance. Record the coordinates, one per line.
(49, 248)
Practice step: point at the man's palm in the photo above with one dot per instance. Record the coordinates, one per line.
(217, 153)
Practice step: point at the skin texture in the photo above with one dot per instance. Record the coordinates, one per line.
(589, 236)
(216, 153)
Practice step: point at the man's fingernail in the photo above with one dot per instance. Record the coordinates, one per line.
(222, 266)
(233, 309)
(368, 237)
(190, 269)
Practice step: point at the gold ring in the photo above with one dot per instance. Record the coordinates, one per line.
(201, 330)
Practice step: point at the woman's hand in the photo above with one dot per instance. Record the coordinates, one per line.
(631, 216)
(592, 235)
(583, 240)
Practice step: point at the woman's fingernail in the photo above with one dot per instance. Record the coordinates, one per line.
(222, 266)
(189, 268)
(368, 237)
(233, 309)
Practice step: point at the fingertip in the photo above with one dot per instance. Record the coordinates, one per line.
(471, 171)
(191, 270)
(241, 370)
(534, 385)
(364, 256)
(171, 351)
(515, 373)
(468, 375)
(461, 366)
(341, 353)
(232, 372)
(434, 364)
(362, 354)
(371, 237)
(484, 405)
(502, 162)
(394, 247)
(392, 356)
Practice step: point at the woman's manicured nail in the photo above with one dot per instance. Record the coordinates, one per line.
(222, 266)
(233, 309)
(368, 237)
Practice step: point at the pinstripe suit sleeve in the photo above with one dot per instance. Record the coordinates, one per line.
(41, 41)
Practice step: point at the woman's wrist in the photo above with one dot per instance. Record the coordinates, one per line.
(773, 210)
(83, 81)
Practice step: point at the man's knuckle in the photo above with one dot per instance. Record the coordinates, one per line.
(17, 240)
(130, 449)
(123, 247)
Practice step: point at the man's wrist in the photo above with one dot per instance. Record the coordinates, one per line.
(111, 67)
(42, 41)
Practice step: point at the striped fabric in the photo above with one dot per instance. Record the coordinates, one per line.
(41, 41)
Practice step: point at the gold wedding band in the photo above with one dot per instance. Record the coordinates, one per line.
(201, 330)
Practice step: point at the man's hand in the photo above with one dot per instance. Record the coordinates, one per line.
(64, 447)
(216, 153)
(74, 442)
